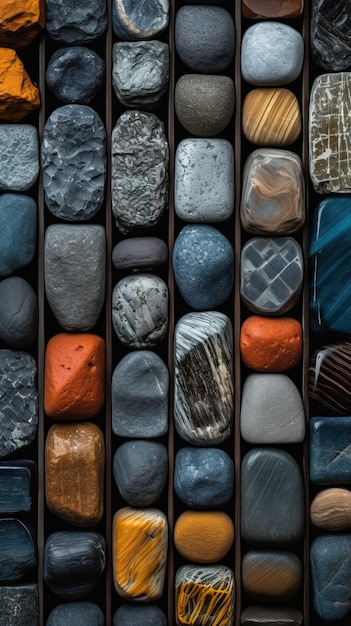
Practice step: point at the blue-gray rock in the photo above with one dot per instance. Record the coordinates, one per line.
(140, 471)
(18, 400)
(140, 310)
(139, 253)
(132, 20)
(203, 477)
(82, 613)
(330, 575)
(74, 273)
(205, 38)
(18, 312)
(17, 551)
(140, 384)
(330, 450)
(73, 160)
(146, 615)
(140, 72)
(75, 74)
(19, 157)
(19, 605)
(16, 486)
(272, 54)
(18, 231)
(203, 266)
(76, 22)
(139, 174)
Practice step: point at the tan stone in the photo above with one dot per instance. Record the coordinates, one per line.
(21, 21)
(271, 116)
(331, 509)
(203, 536)
(18, 96)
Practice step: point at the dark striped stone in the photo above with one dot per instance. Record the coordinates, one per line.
(329, 379)
(16, 486)
(17, 550)
(271, 576)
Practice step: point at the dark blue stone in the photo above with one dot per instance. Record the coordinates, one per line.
(16, 486)
(18, 231)
(331, 576)
(18, 312)
(76, 22)
(19, 605)
(146, 615)
(132, 20)
(330, 450)
(17, 550)
(76, 614)
(75, 74)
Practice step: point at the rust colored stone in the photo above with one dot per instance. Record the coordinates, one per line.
(331, 509)
(271, 344)
(272, 8)
(18, 95)
(271, 116)
(203, 536)
(21, 21)
(74, 378)
(74, 470)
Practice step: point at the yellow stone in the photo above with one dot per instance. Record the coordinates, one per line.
(203, 536)
(21, 21)
(18, 96)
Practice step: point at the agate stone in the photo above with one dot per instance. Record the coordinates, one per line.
(330, 34)
(193, 583)
(75, 74)
(330, 575)
(76, 614)
(271, 575)
(18, 232)
(132, 21)
(273, 8)
(330, 450)
(21, 22)
(331, 509)
(16, 486)
(271, 116)
(139, 253)
(19, 157)
(140, 471)
(271, 616)
(72, 22)
(329, 379)
(18, 312)
(19, 97)
(19, 605)
(17, 550)
(145, 615)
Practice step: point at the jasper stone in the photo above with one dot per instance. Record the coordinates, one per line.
(272, 498)
(330, 575)
(18, 400)
(329, 379)
(139, 182)
(145, 615)
(16, 479)
(204, 180)
(18, 233)
(75, 74)
(139, 391)
(140, 72)
(271, 576)
(203, 477)
(19, 157)
(205, 38)
(139, 253)
(271, 616)
(330, 450)
(21, 22)
(19, 96)
(17, 550)
(76, 614)
(331, 509)
(203, 536)
(75, 23)
(19, 605)
(204, 103)
(140, 471)
(273, 192)
(274, 8)
(264, 417)
(193, 583)
(74, 273)
(271, 344)
(271, 117)
(132, 21)
(203, 266)
(330, 34)
(18, 312)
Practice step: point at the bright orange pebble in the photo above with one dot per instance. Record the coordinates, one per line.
(270, 344)
(21, 21)
(203, 536)
(18, 95)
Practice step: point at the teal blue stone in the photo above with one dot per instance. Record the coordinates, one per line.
(331, 576)
(18, 231)
(330, 450)
(15, 486)
(17, 550)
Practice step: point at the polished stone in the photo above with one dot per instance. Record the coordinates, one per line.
(330, 34)
(330, 450)
(271, 116)
(136, 253)
(271, 576)
(271, 344)
(193, 583)
(19, 96)
(330, 557)
(18, 312)
(329, 379)
(19, 605)
(72, 22)
(272, 9)
(16, 485)
(75, 74)
(19, 157)
(271, 616)
(21, 21)
(132, 21)
(17, 551)
(76, 614)
(145, 615)
(331, 509)
(203, 536)
(18, 232)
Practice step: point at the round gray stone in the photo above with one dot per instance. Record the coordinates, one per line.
(19, 157)
(146, 615)
(132, 20)
(140, 471)
(75, 74)
(18, 312)
(18, 231)
(139, 252)
(76, 22)
(76, 614)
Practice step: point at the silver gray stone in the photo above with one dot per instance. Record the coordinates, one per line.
(19, 157)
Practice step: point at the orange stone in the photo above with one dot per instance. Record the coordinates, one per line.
(74, 378)
(18, 95)
(272, 8)
(21, 21)
(74, 472)
(203, 536)
(271, 344)
(271, 116)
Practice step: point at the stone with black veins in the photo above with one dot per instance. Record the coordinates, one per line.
(140, 72)
(18, 232)
(18, 312)
(75, 74)
(140, 156)
(135, 253)
(140, 471)
(75, 22)
(73, 160)
(19, 605)
(132, 20)
(145, 615)
(78, 613)
(19, 157)
(18, 550)
(330, 556)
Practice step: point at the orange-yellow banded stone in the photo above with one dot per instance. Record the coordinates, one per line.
(21, 21)
(203, 536)
(271, 116)
(271, 344)
(18, 95)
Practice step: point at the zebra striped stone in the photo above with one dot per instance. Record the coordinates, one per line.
(329, 379)
(271, 117)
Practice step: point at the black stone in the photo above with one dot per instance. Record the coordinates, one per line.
(17, 550)
(139, 252)
(18, 312)
(19, 605)
(76, 22)
(16, 486)
(76, 614)
(330, 34)
(146, 615)
(75, 74)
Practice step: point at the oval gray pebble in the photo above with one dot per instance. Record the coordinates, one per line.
(18, 231)
(131, 22)
(139, 252)
(18, 312)
(75, 74)
(140, 471)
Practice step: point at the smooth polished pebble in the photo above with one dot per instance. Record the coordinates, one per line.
(73, 23)
(21, 22)
(130, 23)
(193, 583)
(18, 232)
(329, 379)
(75, 74)
(76, 614)
(271, 344)
(19, 96)
(16, 485)
(330, 34)
(19, 604)
(271, 616)
(271, 576)
(330, 450)
(145, 615)
(330, 557)
(134, 253)
(274, 8)
(271, 117)
(18, 312)
(17, 551)
(203, 536)
(331, 509)
(19, 157)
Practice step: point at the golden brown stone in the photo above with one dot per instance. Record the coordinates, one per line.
(74, 470)
(18, 95)
(331, 509)
(272, 8)
(271, 576)
(203, 536)
(271, 116)
(21, 21)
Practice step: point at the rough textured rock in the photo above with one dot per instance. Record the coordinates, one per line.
(18, 551)
(139, 182)
(139, 253)
(18, 312)
(330, 34)
(271, 576)
(145, 615)
(72, 22)
(193, 583)
(271, 116)
(73, 160)
(19, 605)
(75, 74)
(140, 471)
(331, 509)
(19, 157)
(274, 8)
(330, 576)
(18, 96)
(330, 450)
(271, 616)
(21, 21)
(16, 485)
(203, 536)
(76, 614)
(271, 344)
(131, 21)
(329, 379)
(18, 232)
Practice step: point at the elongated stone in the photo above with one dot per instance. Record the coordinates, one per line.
(75, 74)
(272, 9)
(19, 157)
(140, 471)
(139, 253)
(18, 312)
(75, 23)
(19, 605)
(203, 536)
(21, 22)
(329, 379)
(18, 550)
(215, 583)
(18, 232)
(16, 486)
(331, 509)
(330, 450)
(78, 613)
(19, 96)
(330, 575)
(147, 614)
(271, 616)
(130, 22)
(271, 344)
(330, 34)
(271, 576)
(271, 117)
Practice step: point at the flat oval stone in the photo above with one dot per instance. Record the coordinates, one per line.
(19, 97)
(331, 509)
(140, 471)
(130, 22)
(274, 8)
(139, 389)
(18, 551)
(16, 485)
(21, 22)
(271, 616)
(19, 604)
(193, 583)
(204, 103)
(272, 498)
(19, 157)
(273, 192)
(76, 614)
(203, 477)
(75, 74)
(18, 233)
(271, 116)
(74, 273)
(140, 157)
(203, 266)
(203, 536)
(205, 38)
(204, 180)
(271, 344)
(329, 378)
(147, 615)
(70, 22)
(330, 450)
(330, 576)
(203, 384)
(271, 576)
(139, 253)
(330, 34)
(18, 312)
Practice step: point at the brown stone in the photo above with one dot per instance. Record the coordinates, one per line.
(271, 576)
(21, 21)
(18, 95)
(74, 470)
(271, 116)
(331, 509)
(272, 8)
(203, 536)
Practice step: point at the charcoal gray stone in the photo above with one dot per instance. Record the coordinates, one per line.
(330, 575)
(132, 20)
(76, 22)
(17, 551)
(75, 74)
(18, 312)
(74, 273)
(19, 157)
(139, 253)
(330, 34)
(18, 231)
(140, 471)
(16, 485)
(19, 605)
(139, 171)
(82, 613)
(271, 616)
(73, 160)
(146, 615)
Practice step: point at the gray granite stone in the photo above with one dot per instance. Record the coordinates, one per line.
(76, 22)
(131, 20)
(82, 613)
(18, 312)
(330, 450)
(139, 253)
(75, 74)
(18, 231)
(271, 616)
(17, 551)
(19, 605)
(330, 576)
(140, 471)
(146, 615)
(19, 157)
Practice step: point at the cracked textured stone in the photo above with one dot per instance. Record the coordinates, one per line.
(77, 613)
(74, 273)
(193, 583)
(21, 21)
(330, 34)
(140, 72)
(18, 551)
(271, 575)
(272, 9)
(19, 157)
(73, 160)
(16, 485)
(19, 97)
(139, 253)
(147, 615)
(331, 509)
(19, 605)
(271, 116)
(132, 21)
(330, 557)
(75, 74)
(140, 471)
(18, 312)
(271, 616)
(73, 23)
(330, 450)
(329, 379)
(18, 232)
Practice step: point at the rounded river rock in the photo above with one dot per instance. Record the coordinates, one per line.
(18, 231)
(75, 74)
(146, 615)
(139, 252)
(76, 614)
(140, 471)
(18, 312)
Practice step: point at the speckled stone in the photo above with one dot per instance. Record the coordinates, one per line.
(18, 231)
(330, 34)
(146, 615)
(18, 312)
(330, 576)
(140, 471)
(131, 21)
(76, 614)
(271, 576)
(19, 157)
(75, 74)
(193, 583)
(139, 253)
(271, 616)
(16, 485)
(204, 180)
(72, 22)
(17, 550)
(330, 450)
(19, 605)
(329, 379)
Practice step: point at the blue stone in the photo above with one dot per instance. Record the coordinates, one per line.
(19, 605)
(16, 486)
(76, 614)
(18, 231)
(331, 576)
(17, 550)
(18, 312)
(203, 265)
(330, 450)
(146, 615)
(76, 22)
(75, 74)
(132, 20)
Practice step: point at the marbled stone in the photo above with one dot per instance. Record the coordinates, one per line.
(140, 72)
(330, 450)
(139, 253)
(264, 417)
(140, 471)
(272, 54)
(74, 561)
(205, 38)
(330, 133)
(16, 478)
(271, 344)
(204, 180)
(330, 576)
(19, 605)
(19, 97)
(193, 584)
(76, 614)
(331, 509)
(72, 22)
(271, 576)
(74, 273)
(73, 160)
(19, 157)
(330, 34)
(21, 22)
(145, 615)
(271, 274)
(140, 543)
(273, 8)
(271, 616)
(272, 498)
(140, 310)
(271, 116)
(18, 400)
(204, 103)
(203, 536)
(17, 550)
(131, 21)
(139, 171)
(329, 379)
(75, 74)
(18, 232)
(139, 389)
(203, 477)
(203, 266)
(203, 383)
(273, 192)
(18, 312)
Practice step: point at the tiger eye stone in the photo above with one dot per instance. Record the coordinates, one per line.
(271, 576)
(331, 509)
(271, 117)
(272, 8)
(203, 536)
